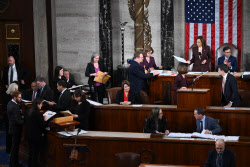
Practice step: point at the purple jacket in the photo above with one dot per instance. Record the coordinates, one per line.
(150, 64)
(206, 55)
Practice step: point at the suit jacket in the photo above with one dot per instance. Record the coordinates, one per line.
(230, 92)
(137, 77)
(231, 59)
(150, 64)
(210, 124)
(132, 97)
(46, 93)
(228, 158)
(179, 82)
(150, 126)
(70, 83)
(91, 69)
(246, 77)
(54, 88)
(35, 125)
(28, 95)
(22, 74)
(83, 111)
(206, 55)
(64, 102)
(15, 118)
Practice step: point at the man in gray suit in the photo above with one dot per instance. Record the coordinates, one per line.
(204, 122)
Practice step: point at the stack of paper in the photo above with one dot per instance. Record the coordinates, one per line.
(233, 138)
(72, 133)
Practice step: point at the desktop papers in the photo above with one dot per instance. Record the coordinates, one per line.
(179, 59)
(160, 71)
(49, 114)
(195, 135)
(94, 103)
(72, 133)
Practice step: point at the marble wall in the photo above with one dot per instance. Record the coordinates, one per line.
(77, 31)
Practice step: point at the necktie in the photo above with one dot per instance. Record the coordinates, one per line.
(226, 61)
(201, 122)
(219, 160)
(223, 85)
(11, 75)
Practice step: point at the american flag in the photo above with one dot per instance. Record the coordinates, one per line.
(218, 21)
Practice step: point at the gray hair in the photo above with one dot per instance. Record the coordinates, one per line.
(94, 56)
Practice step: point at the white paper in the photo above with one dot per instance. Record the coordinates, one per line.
(229, 108)
(49, 114)
(180, 135)
(94, 103)
(233, 138)
(75, 87)
(26, 101)
(167, 74)
(72, 133)
(246, 73)
(136, 105)
(192, 73)
(179, 59)
(160, 71)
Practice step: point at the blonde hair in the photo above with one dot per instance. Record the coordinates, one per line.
(12, 88)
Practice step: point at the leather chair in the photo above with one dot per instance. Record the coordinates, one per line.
(219, 52)
(245, 96)
(144, 97)
(111, 94)
(127, 159)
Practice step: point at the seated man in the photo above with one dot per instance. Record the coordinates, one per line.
(229, 92)
(228, 59)
(220, 156)
(31, 95)
(64, 101)
(70, 82)
(205, 123)
(44, 91)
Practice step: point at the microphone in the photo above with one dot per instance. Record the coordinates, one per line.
(193, 82)
(79, 130)
(199, 55)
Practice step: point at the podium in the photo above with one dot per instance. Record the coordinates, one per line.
(188, 98)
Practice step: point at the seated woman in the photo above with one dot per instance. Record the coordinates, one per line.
(81, 109)
(180, 81)
(156, 122)
(126, 96)
(149, 61)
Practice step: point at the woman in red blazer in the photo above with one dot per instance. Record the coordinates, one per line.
(201, 55)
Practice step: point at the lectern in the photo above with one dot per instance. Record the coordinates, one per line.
(193, 98)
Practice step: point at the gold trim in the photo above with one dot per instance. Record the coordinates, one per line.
(18, 25)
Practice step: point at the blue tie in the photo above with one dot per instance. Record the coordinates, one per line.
(201, 122)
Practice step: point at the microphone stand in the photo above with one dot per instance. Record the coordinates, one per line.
(193, 83)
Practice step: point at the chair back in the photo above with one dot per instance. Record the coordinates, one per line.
(245, 96)
(190, 55)
(111, 94)
(127, 159)
(219, 52)
(144, 97)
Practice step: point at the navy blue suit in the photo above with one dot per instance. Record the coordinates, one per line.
(228, 158)
(210, 124)
(230, 92)
(231, 59)
(137, 77)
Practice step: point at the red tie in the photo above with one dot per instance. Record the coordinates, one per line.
(223, 85)
(226, 60)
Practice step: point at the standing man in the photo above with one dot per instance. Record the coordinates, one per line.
(70, 82)
(228, 59)
(206, 123)
(137, 75)
(15, 126)
(44, 91)
(31, 95)
(229, 92)
(220, 156)
(14, 72)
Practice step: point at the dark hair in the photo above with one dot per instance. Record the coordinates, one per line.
(93, 56)
(203, 41)
(35, 102)
(65, 70)
(57, 71)
(40, 79)
(62, 83)
(146, 50)
(137, 54)
(79, 93)
(125, 82)
(226, 48)
(223, 67)
(200, 110)
(155, 113)
(15, 93)
(182, 68)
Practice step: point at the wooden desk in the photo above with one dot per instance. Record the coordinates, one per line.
(104, 145)
(159, 85)
(162, 165)
(119, 118)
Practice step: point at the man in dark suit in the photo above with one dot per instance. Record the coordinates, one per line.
(64, 102)
(14, 72)
(137, 74)
(44, 91)
(205, 123)
(228, 59)
(15, 126)
(31, 95)
(70, 82)
(229, 92)
(220, 156)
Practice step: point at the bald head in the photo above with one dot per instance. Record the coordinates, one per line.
(11, 60)
(220, 145)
